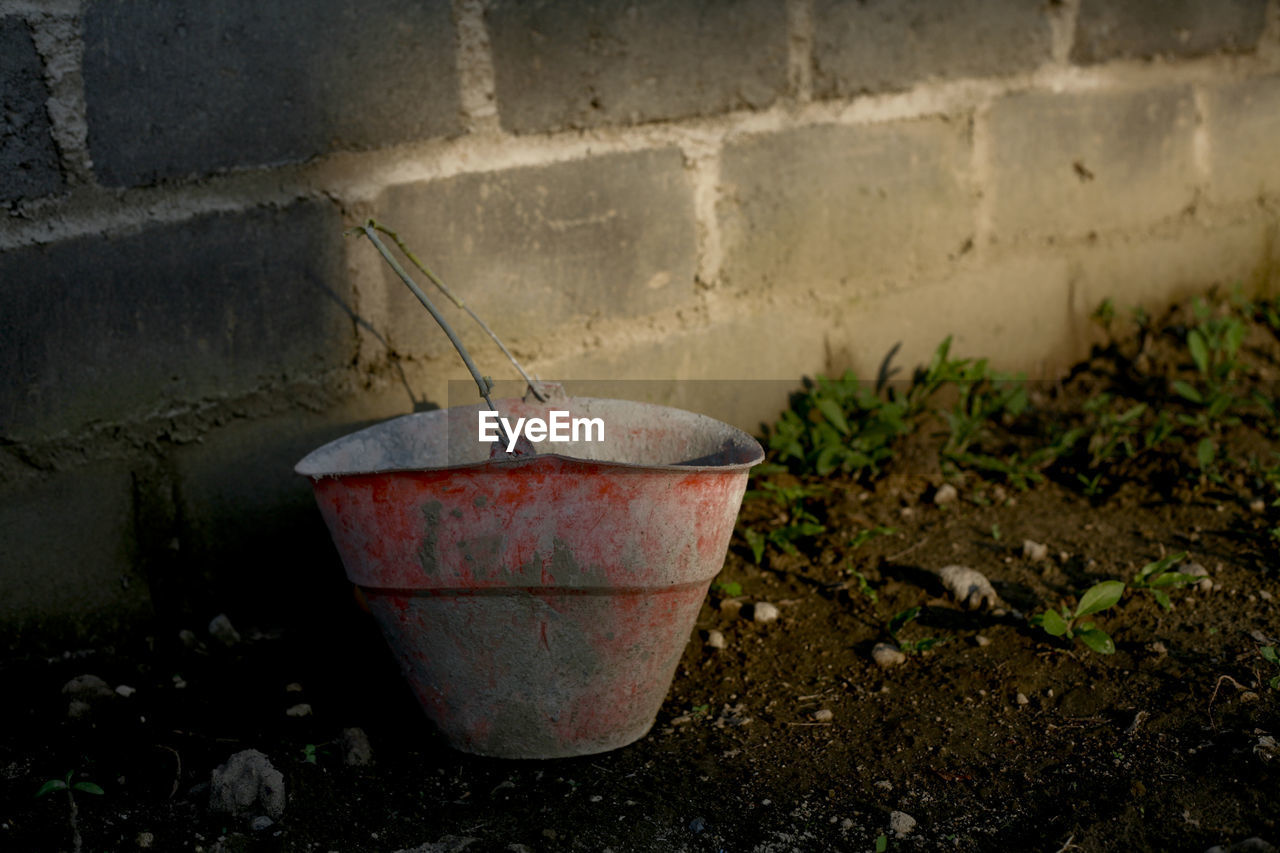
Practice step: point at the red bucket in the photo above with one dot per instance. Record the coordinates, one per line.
(538, 605)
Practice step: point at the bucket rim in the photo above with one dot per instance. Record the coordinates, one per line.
(306, 467)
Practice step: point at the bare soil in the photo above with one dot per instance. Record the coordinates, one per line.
(791, 737)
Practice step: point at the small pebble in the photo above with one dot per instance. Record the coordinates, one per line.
(1264, 595)
(356, 751)
(764, 612)
(969, 587)
(697, 825)
(716, 640)
(125, 690)
(302, 709)
(145, 840)
(188, 638)
(847, 823)
(1158, 648)
(1022, 699)
(884, 785)
(221, 629)
(946, 494)
(1257, 505)
(293, 687)
(901, 823)
(981, 640)
(1194, 569)
(1034, 551)
(886, 655)
(823, 715)
(260, 823)
(730, 607)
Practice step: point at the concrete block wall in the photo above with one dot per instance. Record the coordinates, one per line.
(733, 190)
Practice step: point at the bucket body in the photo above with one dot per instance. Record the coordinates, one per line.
(538, 605)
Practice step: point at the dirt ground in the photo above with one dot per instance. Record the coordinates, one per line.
(982, 733)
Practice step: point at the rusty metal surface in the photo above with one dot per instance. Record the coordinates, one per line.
(538, 605)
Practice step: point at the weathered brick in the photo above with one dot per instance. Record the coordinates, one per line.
(68, 556)
(1072, 164)
(582, 64)
(534, 247)
(1156, 271)
(248, 522)
(739, 369)
(886, 45)
(831, 206)
(1141, 29)
(1244, 132)
(1014, 311)
(179, 87)
(104, 327)
(28, 158)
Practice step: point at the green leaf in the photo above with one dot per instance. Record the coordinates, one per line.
(88, 788)
(1098, 640)
(1162, 599)
(835, 416)
(755, 541)
(1173, 579)
(1052, 622)
(1206, 450)
(902, 618)
(882, 843)
(1100, 596)
(1199, 350)
(1234, 337)
(1269, 654)
(1187, 391)
(51, 785)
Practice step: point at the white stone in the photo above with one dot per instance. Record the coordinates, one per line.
(716, 640)
(1034, 551)
(901, 823)
(969, 587)
(765, 612)
(886, 655)
(946, 494)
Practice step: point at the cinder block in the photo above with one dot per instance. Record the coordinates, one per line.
(28, 158)
(249, 530)
(1014, 312)
(181, 87)
(531, 249)
(110, 327)
(1142, 29)
(581, 64)
(844, 207)
(887, 45)
(1155, 272)
(1071, 164)
(740, 369)
(68, 558)
(1244, 134)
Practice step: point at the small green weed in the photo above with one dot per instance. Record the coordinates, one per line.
(729, 589)
(1270, 655)
(899, 621)
(798, 521)
(65, 784)
(1158, 576)
(1068, 624)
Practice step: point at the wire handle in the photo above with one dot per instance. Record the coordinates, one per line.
(370, 229)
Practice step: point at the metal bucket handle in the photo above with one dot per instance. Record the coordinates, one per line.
(541, 391)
